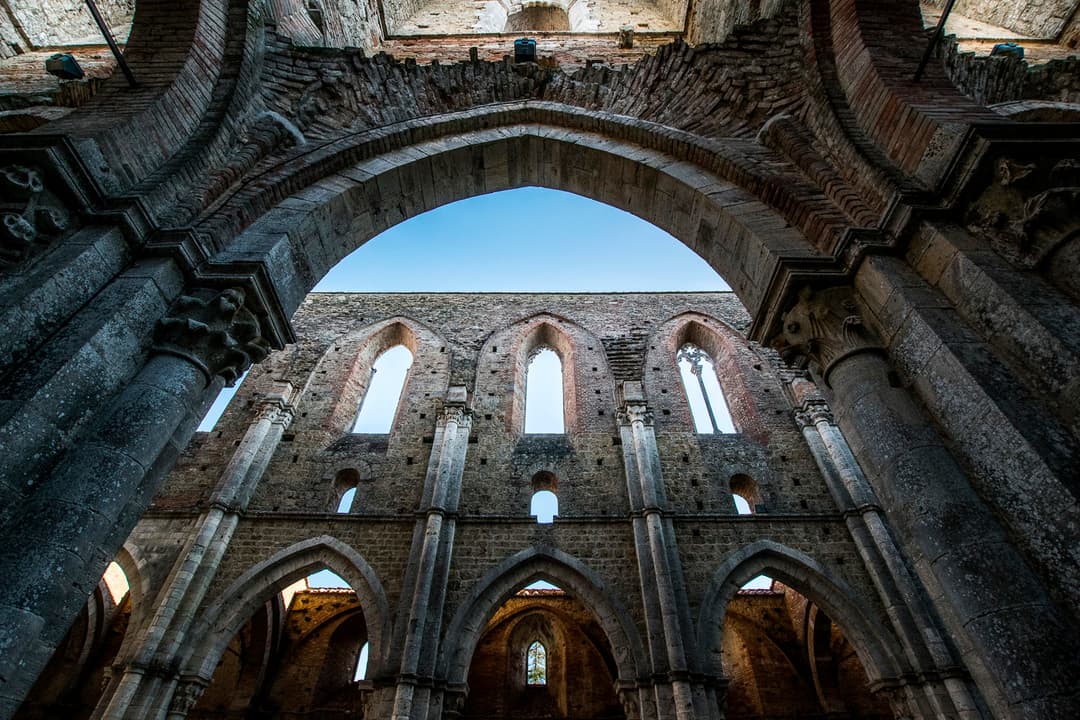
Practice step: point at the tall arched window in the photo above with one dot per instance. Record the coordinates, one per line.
(536, 664)
(544, 412)
(360, 673)
(707, 403)
(544, 506)
(379, 404)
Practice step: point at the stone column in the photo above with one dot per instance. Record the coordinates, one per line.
(81, 514)
(420, 621)
(663, 591)
(990, 601)
(943, 690)
(148, 681)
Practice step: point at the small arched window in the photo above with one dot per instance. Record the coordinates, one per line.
(379, 404)
(360, 673)
(544, 412)
(116, 581)
(707, 403)
(346, 501)
(544, 506)
(536, 664)
(744, 494)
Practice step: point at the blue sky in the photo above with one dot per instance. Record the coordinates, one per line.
(527, 240)
(524, 240)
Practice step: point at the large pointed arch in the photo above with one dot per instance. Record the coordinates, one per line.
(716, 197)
(515, 572)
(224, 618)
(815, 582)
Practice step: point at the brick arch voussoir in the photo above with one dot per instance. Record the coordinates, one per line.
(516, 571)
(178, 52)
(734, 208)
(223, 618)
(919, 126)
(873, 645)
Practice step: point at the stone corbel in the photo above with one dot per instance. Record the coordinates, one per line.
(214, 331)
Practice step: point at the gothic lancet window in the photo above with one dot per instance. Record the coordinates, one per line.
(707, 403)
(360, 672)
(536, 664)
(379, 404)
(544, 412)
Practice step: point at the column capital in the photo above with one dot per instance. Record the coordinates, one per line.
(631, 413)
(825, 326)
(214, 331)
(187, 693)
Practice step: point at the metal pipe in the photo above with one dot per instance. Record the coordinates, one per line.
(124, 68)
(934, 39)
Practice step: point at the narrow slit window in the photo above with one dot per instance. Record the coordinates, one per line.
(360, 673)
(707, 404)
(544, 411)
(116, 582)
(380, 402)
(536, 664)
(346, 502)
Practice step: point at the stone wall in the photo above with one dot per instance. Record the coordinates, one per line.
(991, 80)
(30, 24)
(1034, 19)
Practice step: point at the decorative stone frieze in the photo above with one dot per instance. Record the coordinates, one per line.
(30, 216)
(825, 327)
(213, 331)
(185, 696)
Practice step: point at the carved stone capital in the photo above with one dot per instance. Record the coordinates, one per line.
(825, 327)
(635, 413)
(30, 216)
(812, 412)
(214, 331)
(185, 696)
(1029, 208)
(456, 414)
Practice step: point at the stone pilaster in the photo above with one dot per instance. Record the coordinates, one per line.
(141, 692)
(662, 587)
(942, 684)
(84, 510)
(990, 601)
(420, 614)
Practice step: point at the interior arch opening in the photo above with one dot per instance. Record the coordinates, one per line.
(303, 653)
(785, 658)
(538, 17)
(542, 655)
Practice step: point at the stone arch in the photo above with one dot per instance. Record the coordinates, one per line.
(512, 574)
(356, 353)
(873, 49)
(178, 53)
(716, 197)
(224, 618)
(136, 569)
(733, 357)
(811, 579)
(522, 339)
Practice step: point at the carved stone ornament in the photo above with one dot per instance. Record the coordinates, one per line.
(1029, 209)
(213, 331)
(30, 216)
(825, 327)
(633, 413)
(185, 696)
